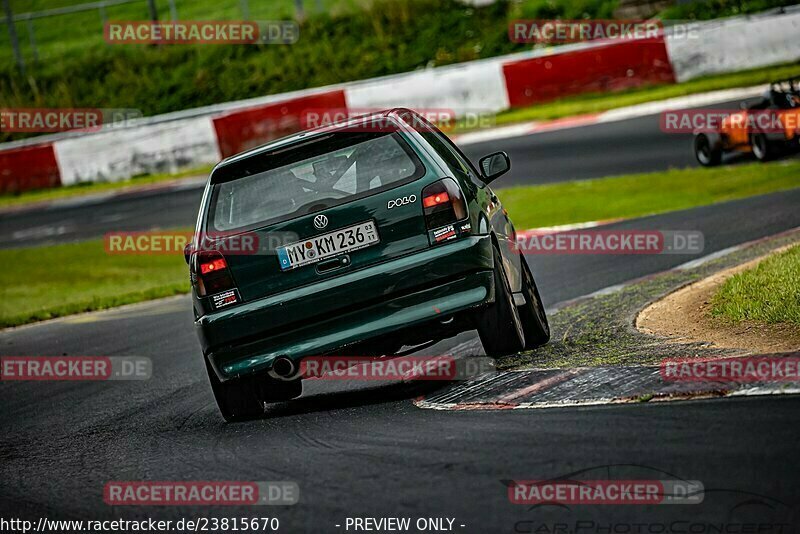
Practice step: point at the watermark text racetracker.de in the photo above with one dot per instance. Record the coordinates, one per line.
(446, 119)
(201, 493)
(194, 524)
(606, 492)
(74, 368)
(571, 31)
(610, 242)
(202, 32)
(713, 120)
(405, 368)
(782, 369)
(158, 242)
(553, 31)
(52, 120)
(581, 501)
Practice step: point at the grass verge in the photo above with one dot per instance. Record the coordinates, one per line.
(596, 330)
(768, 293)
(42, 195)
(45, 282)
(87, 278)
(598, 102)
(636, 195)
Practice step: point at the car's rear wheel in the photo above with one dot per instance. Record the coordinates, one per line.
(273, 390)
(707, 154)
(534, 318)
(499, 324)
(237, 399)
(761, 147)
(243, 398)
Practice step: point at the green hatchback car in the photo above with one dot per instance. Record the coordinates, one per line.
(372, 235)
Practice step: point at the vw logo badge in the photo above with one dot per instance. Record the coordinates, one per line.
(320, 222)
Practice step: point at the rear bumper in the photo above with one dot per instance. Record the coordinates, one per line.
(350, 308)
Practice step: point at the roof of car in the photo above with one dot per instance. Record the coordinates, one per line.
(292, 138)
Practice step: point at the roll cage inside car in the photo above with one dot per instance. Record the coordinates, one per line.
(782, 94)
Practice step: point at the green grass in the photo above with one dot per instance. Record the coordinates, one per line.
(710, 9)
(768, 293)
(72, 33)
(595, 103)
(69, 35)
(45, 282)
(385, 36)
(637, 195)
(86, 188)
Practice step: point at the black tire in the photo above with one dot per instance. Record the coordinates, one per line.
(237, 399)
(499, 324)
(273, 390)
(707, 154)
(762, 149)
(243, 398)
(534, 318)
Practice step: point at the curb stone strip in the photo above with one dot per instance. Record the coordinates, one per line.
(604, 321)
(589, 387)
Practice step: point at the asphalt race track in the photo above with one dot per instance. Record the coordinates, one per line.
(359, 450)
(606, 149)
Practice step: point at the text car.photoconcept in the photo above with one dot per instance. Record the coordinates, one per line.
(370, 235)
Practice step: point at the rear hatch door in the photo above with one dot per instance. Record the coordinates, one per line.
(337, 203)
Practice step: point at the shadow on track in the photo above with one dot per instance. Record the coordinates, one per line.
(380, 394)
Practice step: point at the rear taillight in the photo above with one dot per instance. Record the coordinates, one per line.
(443, 204)
(212, 273)
(213, 266)
(435, 199)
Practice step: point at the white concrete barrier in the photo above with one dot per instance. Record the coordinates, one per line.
(730, 45)
(465, 88)
(119, 154)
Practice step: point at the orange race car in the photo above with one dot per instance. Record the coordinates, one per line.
(767, 127)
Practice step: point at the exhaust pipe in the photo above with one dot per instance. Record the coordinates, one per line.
(284, 368)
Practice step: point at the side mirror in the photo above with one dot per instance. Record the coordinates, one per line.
(187, 252)
(494, 166)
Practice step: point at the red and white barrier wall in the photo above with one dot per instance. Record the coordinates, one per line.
(613, 66)
(238, 131)
(31, 167)
(203, 136)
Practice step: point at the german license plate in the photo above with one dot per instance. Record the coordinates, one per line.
(318, 248)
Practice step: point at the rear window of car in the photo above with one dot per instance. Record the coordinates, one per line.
(309, 176)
